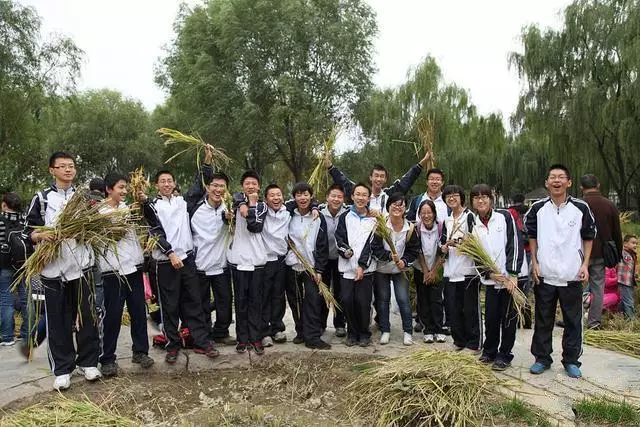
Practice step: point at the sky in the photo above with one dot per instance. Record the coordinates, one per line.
(470, 39)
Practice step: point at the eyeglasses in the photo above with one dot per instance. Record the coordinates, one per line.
(434, 180)
(397, 205)
(482, 197)
(453, 196)
(65, 167)
(558, 177)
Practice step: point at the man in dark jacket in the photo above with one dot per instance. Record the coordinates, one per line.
(608, 225)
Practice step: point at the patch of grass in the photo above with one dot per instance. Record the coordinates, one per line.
(515, 411)
(602, 411)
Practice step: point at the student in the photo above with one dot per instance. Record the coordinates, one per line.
(498, 235)
(247, 258)
(428, 286)
(354, 234)
(209, 218)
(121, 269)
(393, 267)
(435, 182)
(68, 285)
(627, 277)
(561, 230)
(175, 272)
(274, 233)
(334, 207)
(378, 178)
(462, 291)
(309, 235)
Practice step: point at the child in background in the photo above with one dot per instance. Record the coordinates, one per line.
(626, 275)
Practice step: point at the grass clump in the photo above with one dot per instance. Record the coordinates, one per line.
(516, 412)
(602, 411)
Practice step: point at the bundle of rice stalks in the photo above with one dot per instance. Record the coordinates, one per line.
(426, 132)
(149, 244)
(625, 217)
(228, 203)
(617, 322)
(195, 144)
(319, 179)
(472, 247)
(423, 388)
(66, 412)
(138, 182)
(619, 341)
(323, 289)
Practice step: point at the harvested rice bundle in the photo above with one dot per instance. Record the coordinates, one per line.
(625, 217)
(426, 132)
(471, 246)
(195, 144)
(323, 289)
(423, 388)
(319, 179)
(138, 182)
(619, 341)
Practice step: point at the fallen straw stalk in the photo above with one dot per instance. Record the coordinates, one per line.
(323, 289)
(195, 143)
(472, 247)
(424, 388)
(619, 341)
(319, 179)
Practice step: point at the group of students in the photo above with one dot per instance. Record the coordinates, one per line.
(255, 253)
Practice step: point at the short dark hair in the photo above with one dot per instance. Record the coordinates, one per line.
(378, 167)
(626, 238)
(163, 172)
(97, 184)
(271, 187)
(589, 181)
(249, 174)
(334, 187)
(518, 198)
(112, 178)
(431, 205)
(395, 197)
(301, 187)
(561, 167)
(436, 171)
(13, 201)
(481, 190)
(361, 184)
(219, 175)
(59, 155)
(453, 189)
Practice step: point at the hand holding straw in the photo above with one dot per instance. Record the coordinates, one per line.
(214, 155)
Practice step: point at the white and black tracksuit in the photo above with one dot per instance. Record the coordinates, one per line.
(122, 282)
(331, 275)
(560, 232)
(310, 238)
(429, 306)
(462, 291)
(500, 238)
(354, 235)
(178, 290)
(68, 286)
(247, 258)
(274, 304)
(211, 237)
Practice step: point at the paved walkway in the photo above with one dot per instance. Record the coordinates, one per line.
(605, 373)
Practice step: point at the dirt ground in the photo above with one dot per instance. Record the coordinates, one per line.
(297, 389)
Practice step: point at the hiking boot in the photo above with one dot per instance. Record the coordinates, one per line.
(91, 373)
(318, 345)
(351, 341)
(573, 371)
(298, 340)
(241, 348)
(500, 365)
(538, 368)
(428, 338)
(171, 357)
(109, 369)
(143, 360)
(279, 337)
(384, 338)
(341, 332)
(209, 351)
(62, 382)
(257, 347)
(267, 342)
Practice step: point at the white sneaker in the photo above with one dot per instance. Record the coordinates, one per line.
(428, 338)
(267, 342)
(7, 343)
(62, 382)
(280, 337)
(441, 338)
(90, 373)
(408, 339)
(384, 338)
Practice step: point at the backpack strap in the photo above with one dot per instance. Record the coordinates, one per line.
(410, 231)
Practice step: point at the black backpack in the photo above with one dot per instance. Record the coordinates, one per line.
(14, 250)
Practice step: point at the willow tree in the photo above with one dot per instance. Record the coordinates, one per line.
(582, 90)
(263, 79)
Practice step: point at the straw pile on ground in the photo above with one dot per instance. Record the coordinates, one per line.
(624, 342)
(424, 388)
(66, 412)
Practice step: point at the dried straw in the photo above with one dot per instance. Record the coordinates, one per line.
(619, 341)
(138, 182)
(625, 217)
(426, 132)
(323, 289)
(319, 179)
(195, 144)
(424, 388)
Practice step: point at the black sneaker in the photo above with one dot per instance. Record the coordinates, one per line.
(241, 348)
(109, 369)
(298, 340)
(171, 357)
(209, 351)
(486, 359)
(258, 348)
(446, 330)
(318, 345)
(366, 342)
(143, 360)
(418, 327)
(351, 341)
(500, 365)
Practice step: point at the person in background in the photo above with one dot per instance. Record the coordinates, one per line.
(627, 276)
(608, 226)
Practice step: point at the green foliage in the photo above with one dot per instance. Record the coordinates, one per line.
(515, 411)
(601, 411)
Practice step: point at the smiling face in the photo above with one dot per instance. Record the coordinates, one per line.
(453, 201)
(558, 183)
(360, 197)
(165, 185)
(427, 215)
(216, 190)
(481, 204)
(119, 191)
(378, 179)
(63, 170)
(274, 198)
(335, 199)
(397, 209)
(303, 200)
(250, 186)
(434, 183)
